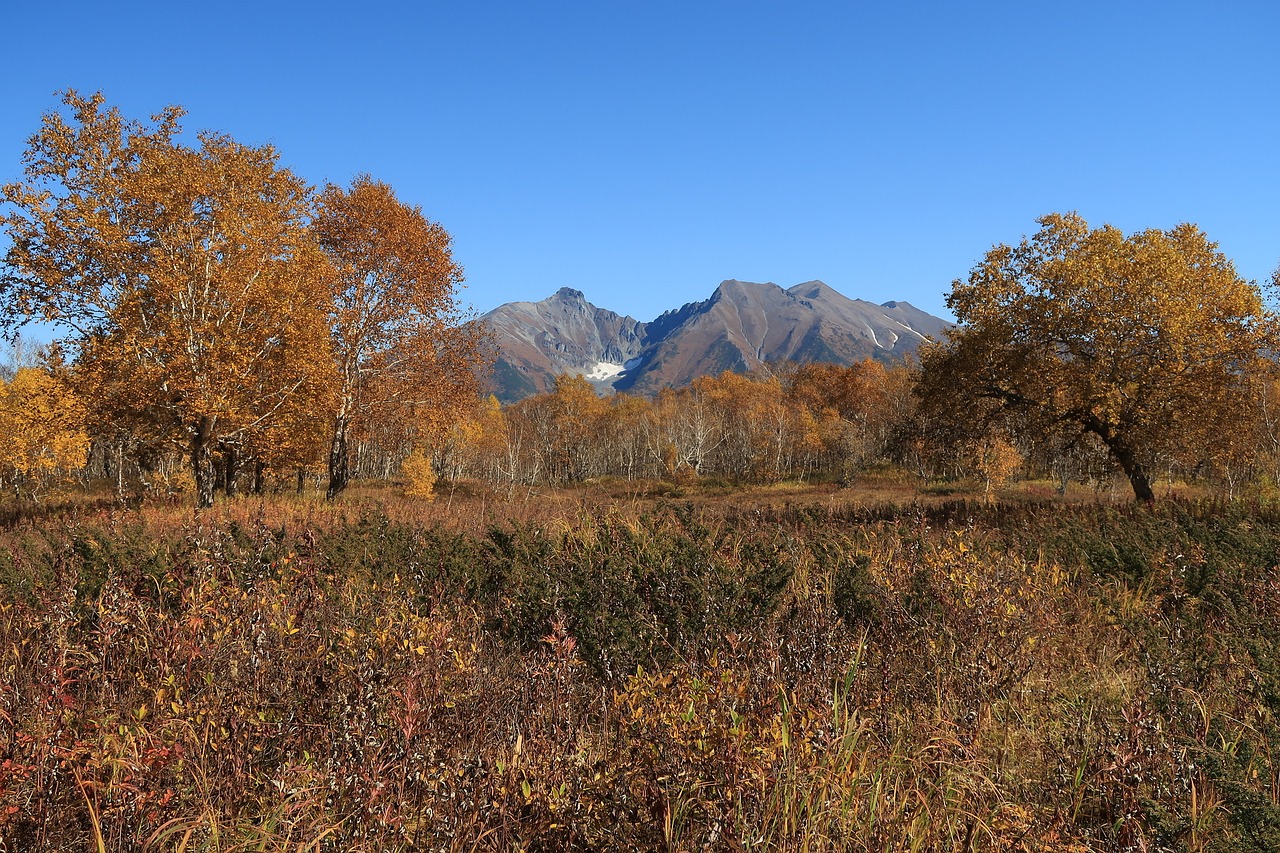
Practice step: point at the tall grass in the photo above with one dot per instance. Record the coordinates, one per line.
(661, 676)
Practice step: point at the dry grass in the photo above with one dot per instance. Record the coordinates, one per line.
(610, 668)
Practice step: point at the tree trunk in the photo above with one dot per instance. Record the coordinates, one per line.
(259, 476)
(1133, 468)
(230, 470)
(120, 470)
(1139, 479)
(339, 461)
(1125, 454)
(202, 462)
(1141, 484)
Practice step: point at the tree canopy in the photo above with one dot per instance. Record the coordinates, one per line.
(184, 278)
(1150, 343)
(398, 342)
(41, 427)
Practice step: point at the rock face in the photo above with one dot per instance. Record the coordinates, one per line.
(743, 326)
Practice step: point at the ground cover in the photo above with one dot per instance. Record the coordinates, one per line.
(783, 669)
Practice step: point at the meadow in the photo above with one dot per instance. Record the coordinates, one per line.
(641, 668)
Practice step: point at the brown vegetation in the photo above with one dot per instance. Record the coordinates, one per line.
(820, 675)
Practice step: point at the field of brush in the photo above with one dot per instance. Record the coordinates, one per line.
(576, 672)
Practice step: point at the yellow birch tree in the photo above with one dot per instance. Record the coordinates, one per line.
(42, 429)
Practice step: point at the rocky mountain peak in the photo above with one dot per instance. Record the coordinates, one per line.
(568, 294)
(742, 326)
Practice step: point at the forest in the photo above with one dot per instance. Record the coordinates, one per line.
(276, 574)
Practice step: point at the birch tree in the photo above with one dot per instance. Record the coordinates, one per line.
(400, 345)
(182, 280)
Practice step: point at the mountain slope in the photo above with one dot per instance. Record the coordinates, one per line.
(537, 341)
(743, 326)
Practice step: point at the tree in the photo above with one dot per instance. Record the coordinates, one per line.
(685, 429)
(1148, 342)
(621, 435)
(399, 343)
(18, 353)
(42, 428)
(295, 441)
(477, 445)
(419, 475)
(859, 408)
(993, 460)
(755, 422)
(184, 280)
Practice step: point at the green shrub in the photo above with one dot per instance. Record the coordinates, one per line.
(635, 593)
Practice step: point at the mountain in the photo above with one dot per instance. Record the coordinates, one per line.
(743, 326)
(537, 341)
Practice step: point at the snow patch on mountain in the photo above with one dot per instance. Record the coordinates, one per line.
(605, 370)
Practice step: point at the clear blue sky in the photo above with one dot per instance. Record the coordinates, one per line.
(643, 151)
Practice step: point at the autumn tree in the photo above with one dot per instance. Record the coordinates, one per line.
(577, 411)
(476, 445)
(683, 430)
(42, 428)
(183, 280)
(1148, 342)
(399, 343)
(1266, 456)
(621, 435)
(297, 440)
(754, 422)
(858, 408)
(419, 475)
(560, 431)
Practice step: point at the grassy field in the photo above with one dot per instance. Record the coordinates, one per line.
(636, 667)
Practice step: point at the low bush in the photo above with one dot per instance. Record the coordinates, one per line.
(948, 676)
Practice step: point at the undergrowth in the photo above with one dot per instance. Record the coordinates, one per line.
(668, 677)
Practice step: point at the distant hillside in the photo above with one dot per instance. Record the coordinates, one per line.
(742, 326)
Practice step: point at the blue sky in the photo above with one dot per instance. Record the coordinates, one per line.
(643, 151)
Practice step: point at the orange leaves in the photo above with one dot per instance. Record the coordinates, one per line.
(402, 356)
(1149, 342)
(857, 408)
(392, 283)
(185, 277)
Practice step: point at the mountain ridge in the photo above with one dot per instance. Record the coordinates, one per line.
(742, 326)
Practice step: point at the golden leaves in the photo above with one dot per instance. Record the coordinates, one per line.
(186, 275)
(405, 364)
(1150, 342)
(42, 426)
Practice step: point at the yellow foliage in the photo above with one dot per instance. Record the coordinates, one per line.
(995, 460)
(481, 437)
(419, 476)
(42, 425)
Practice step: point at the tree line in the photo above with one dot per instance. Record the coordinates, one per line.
(809, 420)
(221, 322)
